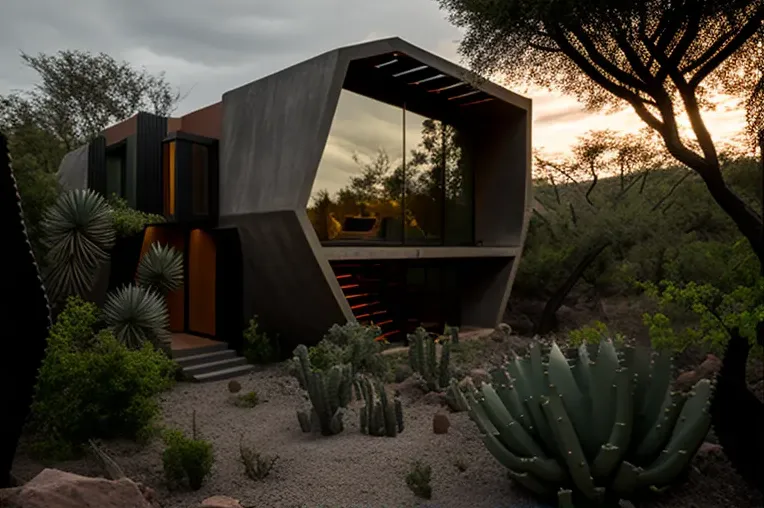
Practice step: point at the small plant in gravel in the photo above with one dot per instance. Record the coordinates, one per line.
(249, 399)
(418, 479)
(186, 461)
(460, 464)
(381, 415)
(424, 362)
(256, 465)
(259, 347)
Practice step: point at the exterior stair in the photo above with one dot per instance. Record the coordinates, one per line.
(211, 363)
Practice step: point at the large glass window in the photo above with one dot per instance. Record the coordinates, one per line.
(115, 170)
(199, 179)
(359, 195)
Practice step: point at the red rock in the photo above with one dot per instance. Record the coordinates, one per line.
(440, 423)
(220, 502)
(58, 489)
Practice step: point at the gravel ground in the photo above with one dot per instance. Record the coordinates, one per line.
(350, 469)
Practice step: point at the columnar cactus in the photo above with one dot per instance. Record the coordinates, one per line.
(609, 427)
(381, 415)
(455, 397)
(329, 393)
(423, 359)
(25, 317)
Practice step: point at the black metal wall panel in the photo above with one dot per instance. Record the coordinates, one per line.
(152, 129)
(97, 165)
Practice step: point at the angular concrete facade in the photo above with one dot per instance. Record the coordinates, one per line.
(274, 131)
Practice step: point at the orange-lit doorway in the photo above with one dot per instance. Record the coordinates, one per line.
(191, 307)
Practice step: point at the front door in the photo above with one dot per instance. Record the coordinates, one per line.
(201, 282)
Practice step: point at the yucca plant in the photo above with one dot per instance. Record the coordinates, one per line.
(161, 269)
(607, 428)
(137, 315)
(78, 232)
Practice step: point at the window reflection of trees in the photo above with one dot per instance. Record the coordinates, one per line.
(437, 195)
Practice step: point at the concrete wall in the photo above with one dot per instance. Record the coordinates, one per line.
(273, 135)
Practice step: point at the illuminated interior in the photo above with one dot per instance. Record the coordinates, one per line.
(390, 176)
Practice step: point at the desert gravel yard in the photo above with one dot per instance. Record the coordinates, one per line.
(350, 469)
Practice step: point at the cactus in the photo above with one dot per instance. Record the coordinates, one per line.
(607, 427)
(423, 359)
(329, 393)
(455, 397)
(452, 332)
(26, 318)
(381, 415)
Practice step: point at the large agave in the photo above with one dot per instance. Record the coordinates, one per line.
(137, 315)
(78, 231)
(607, 428)
(161, 268)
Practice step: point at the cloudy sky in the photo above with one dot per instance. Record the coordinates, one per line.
(207, 47)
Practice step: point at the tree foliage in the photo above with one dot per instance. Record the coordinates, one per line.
(661, 57)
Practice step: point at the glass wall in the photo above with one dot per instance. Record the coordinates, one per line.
(359, 195)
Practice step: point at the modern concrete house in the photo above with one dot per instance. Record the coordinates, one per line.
(376, 182)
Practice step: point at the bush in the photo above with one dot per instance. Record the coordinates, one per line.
(127, 221)
(354, 344)
(249, 399)
(418, 479)
(593, 334)
(91, 386)
(186, 461)
(258, 346)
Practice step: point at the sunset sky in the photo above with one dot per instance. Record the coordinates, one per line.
(207, 48)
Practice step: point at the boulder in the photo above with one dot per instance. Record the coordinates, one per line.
(234, 386)
(53, 488)
(220, 502)
(440, 423)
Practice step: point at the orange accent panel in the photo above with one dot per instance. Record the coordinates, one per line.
(170, 182)
(175, 300)
(201, 282)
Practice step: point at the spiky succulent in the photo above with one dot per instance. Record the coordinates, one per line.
(161, 268)
(607, 427)
(137, 315)
(78, 232)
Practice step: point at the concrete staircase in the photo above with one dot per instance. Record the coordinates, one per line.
(211, 363)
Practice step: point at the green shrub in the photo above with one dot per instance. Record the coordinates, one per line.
(249, 399)
(418, 479)
(127, 221)
(161, 269)
(186, 461)
(718, 314)
(259, 347)
(91, 386)
(354, 344)
(593, 334)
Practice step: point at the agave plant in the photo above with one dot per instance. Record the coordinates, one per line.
(137, 315)
(607, 428)
(161, 269)
(78, 232)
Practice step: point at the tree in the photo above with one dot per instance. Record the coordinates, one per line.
(663, 58)
(78, 94)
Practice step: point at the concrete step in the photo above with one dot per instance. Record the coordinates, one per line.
(190, 361)
(223, 364)
(228, 373)
(184, 353)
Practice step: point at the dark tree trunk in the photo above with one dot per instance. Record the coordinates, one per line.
(25, 317)
(547, 321)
